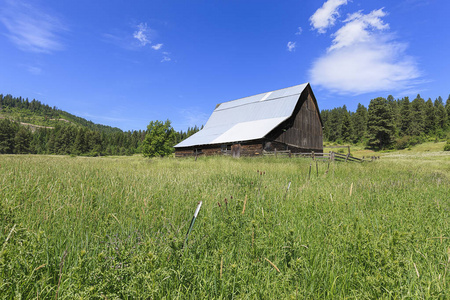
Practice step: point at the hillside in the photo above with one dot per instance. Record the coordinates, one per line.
(35, 114)
(31, 127)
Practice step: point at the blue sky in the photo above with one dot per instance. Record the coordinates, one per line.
(126, 63)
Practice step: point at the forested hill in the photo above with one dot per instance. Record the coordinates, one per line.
(33, 127)
(36, 113)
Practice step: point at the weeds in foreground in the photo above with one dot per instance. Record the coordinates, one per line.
(115, 228)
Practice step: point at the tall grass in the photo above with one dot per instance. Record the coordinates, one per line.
(114, 227)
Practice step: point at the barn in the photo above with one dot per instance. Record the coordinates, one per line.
(285, 119)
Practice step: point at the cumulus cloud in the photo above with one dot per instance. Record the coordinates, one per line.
(299, 31)
(30, 28)
(364, 57)
(157, 46)
(142, 34)
(358, 29)
(291, 46)
(325, 16)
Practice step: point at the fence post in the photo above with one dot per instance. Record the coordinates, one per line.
(275, 152)
(290, 154)
(312, 155)
(347, 157)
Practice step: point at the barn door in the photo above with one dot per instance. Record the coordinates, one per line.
(236, 150)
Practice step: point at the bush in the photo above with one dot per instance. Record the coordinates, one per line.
(403, 142)
(416, 140)
(447, 146)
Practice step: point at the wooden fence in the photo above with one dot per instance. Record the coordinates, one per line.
(333, 156)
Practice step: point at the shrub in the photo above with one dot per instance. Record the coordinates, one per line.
(447, 146)
(403, 142)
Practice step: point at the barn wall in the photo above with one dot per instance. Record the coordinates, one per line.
(305, 130)
(272, 145)
(251, 149)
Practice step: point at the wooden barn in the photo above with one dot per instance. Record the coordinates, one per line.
(286, 119)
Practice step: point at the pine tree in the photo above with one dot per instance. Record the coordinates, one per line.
(441, 114)
(8, 131)
(22, 141)
(346, 127)
(380, 124)
(405, 119)
(359, 121)
(417, 124)
(334, 125)
(325, 116)
(430, 117)
(80, 145)
(447, 108)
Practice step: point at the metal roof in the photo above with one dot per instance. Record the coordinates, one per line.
(248, 118)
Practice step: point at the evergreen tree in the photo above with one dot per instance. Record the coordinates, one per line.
(346, 127)
(405, 120)
(417, 124)
(39, 140)
(334, 125)
(8, 131)
(22, 141)
(430, 117)
(324, 115)
(441, 114)
(381, 129)
(359, 121)
(80, 146)
(51, 143)
(159, 140)
(395, 112)
(447, 108)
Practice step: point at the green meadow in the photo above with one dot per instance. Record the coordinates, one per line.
(115, 227)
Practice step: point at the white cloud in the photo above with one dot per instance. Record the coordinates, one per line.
(142, 34)
(299, 31)
(325, 16)
(30, 28)
(157, 46)
(358, 29)
(291, 46)
(361, 59)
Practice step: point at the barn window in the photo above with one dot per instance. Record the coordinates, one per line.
(225, 148)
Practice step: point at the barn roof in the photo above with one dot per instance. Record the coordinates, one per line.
(248, 118)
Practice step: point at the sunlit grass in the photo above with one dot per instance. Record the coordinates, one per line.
(115, 227)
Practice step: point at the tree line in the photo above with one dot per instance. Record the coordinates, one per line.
(76, 137)
(388, 123)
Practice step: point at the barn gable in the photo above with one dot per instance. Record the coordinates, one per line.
(288, 116)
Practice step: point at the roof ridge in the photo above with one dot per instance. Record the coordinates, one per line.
(254, 102)
(306, 83)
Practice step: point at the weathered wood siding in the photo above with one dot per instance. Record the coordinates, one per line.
(304, 131)
(251, 149)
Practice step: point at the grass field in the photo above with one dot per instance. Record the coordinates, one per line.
(114, 227)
